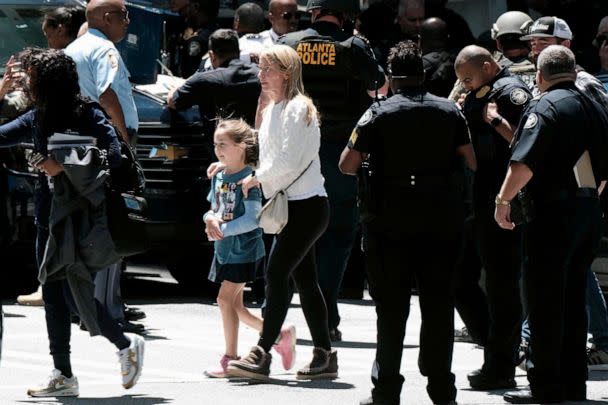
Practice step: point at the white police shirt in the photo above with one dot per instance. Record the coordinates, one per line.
(248, 44)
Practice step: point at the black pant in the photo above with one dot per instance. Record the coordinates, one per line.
(293, 254)
(560, 245)
(57, 304)
(469, 299)
(393, 259)
(501, 256)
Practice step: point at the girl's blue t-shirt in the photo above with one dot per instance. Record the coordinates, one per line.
(227, 203)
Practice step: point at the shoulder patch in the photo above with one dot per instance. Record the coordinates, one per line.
(518, 96)
(531, 121)
(365, 118)
(113, 60)
(482, 92)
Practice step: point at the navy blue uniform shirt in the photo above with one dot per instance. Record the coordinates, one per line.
(511, 95)
(557, 127)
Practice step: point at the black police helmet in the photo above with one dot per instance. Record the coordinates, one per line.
(349, 7)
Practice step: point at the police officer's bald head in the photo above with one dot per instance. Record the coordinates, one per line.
(433, 34)
(110, 17)
(475, 67)
(474, 55)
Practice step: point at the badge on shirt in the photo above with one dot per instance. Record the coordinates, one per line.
(481, 93)
(365, 118)
(194, 48)
(531, 121)
(518, 97)
(113, 60)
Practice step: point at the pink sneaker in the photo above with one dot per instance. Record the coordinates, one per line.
(221, 372)
(286, 346)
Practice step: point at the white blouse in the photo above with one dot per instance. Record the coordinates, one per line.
(287, 146)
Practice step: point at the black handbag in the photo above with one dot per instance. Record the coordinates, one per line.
(126, 206)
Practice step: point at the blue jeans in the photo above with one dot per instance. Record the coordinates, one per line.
(596, 314)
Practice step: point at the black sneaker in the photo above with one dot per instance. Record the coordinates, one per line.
(255, 365)
(481, 380)
(133, 314)
(324, 364)
(130, 327)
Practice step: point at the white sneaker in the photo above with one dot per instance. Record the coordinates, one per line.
(34, 299)
(57, 385)
(131, 361)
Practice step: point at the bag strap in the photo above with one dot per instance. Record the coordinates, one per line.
(298, 178)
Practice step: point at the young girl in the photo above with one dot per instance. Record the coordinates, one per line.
(239, 249)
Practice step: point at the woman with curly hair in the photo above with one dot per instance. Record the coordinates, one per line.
(60, 27)
(52, 85)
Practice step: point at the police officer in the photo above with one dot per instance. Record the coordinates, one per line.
(340, 74)
(103, 77)
(544, 32)
(493, 107)
(508, 30)
(413, 207)
(193, 43)
(438, 63)
(513, 53)
(248, 19)
(231, 89)
(559, 156)
(284, 18)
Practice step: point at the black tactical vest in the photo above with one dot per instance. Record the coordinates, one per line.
(330, 77)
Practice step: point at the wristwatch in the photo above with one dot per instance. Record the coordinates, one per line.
(496, 121)
(499, 201)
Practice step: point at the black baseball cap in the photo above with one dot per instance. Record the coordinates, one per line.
(548, 27)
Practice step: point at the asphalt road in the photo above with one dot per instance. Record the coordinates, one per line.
(184, 337)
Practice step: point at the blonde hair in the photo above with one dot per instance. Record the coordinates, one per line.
(240, 132)
(288, 62)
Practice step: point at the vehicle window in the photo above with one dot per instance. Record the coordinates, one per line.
(20, 27)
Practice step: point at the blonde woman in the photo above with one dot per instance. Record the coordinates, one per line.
(289, 140)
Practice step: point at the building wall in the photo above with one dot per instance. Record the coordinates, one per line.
(480, 14)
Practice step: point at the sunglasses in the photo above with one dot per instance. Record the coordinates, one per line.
(599, 40)
(288, 15)
(123, 13)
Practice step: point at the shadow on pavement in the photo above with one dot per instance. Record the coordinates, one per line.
(9, 315)
(350, 344)
(125, 399)
(314, 384)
